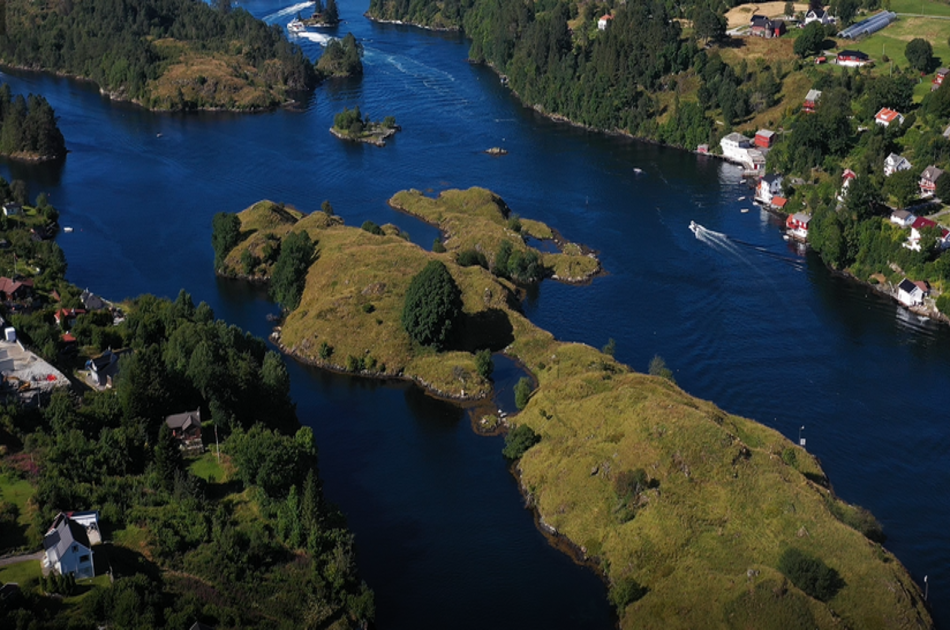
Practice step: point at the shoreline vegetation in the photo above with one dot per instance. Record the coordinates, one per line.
(696, 518)
(350, 125)
(28, 128)
(161, 55)
(239, 536)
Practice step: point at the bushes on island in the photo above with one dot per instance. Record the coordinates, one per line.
(518, 441)
(341, 58)
(225, 235)
(433, 306)
(810, 574)
(290, 270)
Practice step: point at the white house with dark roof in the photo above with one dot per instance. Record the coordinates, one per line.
(819, 15)
(928, 181)
(912, 293)
(894, 163)
(68, 550)
(769, 186)
(903, 218)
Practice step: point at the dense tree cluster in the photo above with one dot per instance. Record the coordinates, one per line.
(342, 58)
(292, 564)
(290, 270)
(114, 42)
(28, 127)
(433, 306)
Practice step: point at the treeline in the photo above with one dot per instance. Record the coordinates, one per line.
(28, 127)
(116, 42)
(263, 549)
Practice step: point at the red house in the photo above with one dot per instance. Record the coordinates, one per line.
(939, 76)
(796, 226)
(852, 58)
(811, 100)
(764, 138)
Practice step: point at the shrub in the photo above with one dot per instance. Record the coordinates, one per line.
(326, 350)
(856, 517)
(353, 364)
(372, 228)
(248, 262)
(438, 247)
(810, 574)
(514, 223)
(225, 234)
(368, 308)
(433, 306)
(789, 457)
(610, 348)
(470, 258)
(518, 441)
(290, 270)
(484, 364)
(624, 592)
(522, 392)
(658, 368)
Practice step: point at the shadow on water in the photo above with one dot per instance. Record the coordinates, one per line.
(485, 329)
(40, 176)
(505, 376)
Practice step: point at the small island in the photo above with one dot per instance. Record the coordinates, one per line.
(28, 128)
(323, 16)
(697, 518)
(341, 58)
(350, 125)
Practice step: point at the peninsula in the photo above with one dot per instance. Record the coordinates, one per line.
(696, 518)
(160, 54)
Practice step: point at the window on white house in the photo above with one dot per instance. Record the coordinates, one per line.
(84, 558)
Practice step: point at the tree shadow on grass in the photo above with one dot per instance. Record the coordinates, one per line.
(123, 562)
(485, 329)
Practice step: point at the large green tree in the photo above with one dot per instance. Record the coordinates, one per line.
(225, 234)
(290, 270)
(920, 54)
(810, 41)
(433, 306)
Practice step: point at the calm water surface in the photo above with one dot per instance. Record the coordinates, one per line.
(742, 317)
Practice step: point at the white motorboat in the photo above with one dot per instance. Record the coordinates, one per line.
(296, 26)
(694, 227)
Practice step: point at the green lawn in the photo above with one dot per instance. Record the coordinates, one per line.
(208, 468)
(17, 492)
(927, 7)
(21, 572)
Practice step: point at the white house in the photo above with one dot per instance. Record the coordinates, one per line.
(912, 293)
(894, 163)
(913, 241)
(603, 22)
(738, 148)
(769, 186)
(886, 116)
(818, 15)
(12, 209)
(846, 178)
(903, 218)
(68, 550)
(796, 226)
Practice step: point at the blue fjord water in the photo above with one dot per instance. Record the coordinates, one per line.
(743, 318)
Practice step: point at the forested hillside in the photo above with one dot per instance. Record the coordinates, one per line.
(28, 128)
(164, 54)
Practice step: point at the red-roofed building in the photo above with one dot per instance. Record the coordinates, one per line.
(886, 116)
(811, 101)
(779, 202)
(796, 226)
(764, 138)
(66, 316)
(913, 241)
(603, 22)
(939, 77)
(15, 289)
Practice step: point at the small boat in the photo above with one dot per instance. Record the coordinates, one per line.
(741, 198)
(638, 171)
(694, 227)
(67, 229)
(744, 210)
(296, 26)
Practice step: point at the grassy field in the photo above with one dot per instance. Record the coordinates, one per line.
(726, 495)
(21, 572)
(208, 468)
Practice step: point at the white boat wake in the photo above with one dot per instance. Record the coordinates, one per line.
(300, 6)
(320, 38)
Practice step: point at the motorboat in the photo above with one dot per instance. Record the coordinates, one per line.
(296, 26)
(694, 227)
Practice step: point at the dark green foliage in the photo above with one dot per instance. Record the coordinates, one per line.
(331, 14)
(845, 10)
(272, 461)
(625, 592)
(290, 270)
(438, 247)
(342, 58)
(856, 517)
(225, 235)
(658, 368)
(522, 392)
(349, 121)
(628, 486)
(325, 351)
(484, 363)
(471, 258)
(863, 199)
(518, 441)
(28, 126)
(903, 186)
(524, 267)
(894, 92)
(943, 187)
(167, 459)
(610, 348)
(372, 228)
(326, 208)
(112, 43)
(810, 574)
(433, 306)
(708, 23)
(249, 262)
(920, 54)
(810, 41)
(514, 223)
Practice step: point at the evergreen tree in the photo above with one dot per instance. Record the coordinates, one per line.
(168, 460)
(290, 270)
(331, 15)
(225, 235)
(433, 306)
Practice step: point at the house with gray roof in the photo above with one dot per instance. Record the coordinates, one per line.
(68, 550)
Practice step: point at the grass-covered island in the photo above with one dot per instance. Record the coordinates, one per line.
(350, 125)
(697, 518)
(161, 54)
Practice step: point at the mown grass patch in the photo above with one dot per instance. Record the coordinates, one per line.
(21, 572)
(210, 469)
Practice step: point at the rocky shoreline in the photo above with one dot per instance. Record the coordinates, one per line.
(377, 139)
